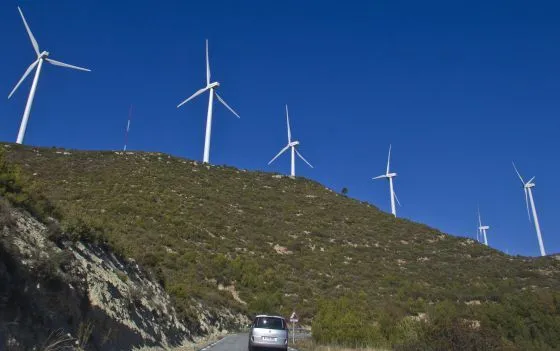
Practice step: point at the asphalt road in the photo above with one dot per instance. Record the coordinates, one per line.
(235, 342)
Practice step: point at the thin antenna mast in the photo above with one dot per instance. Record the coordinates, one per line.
(127, 128)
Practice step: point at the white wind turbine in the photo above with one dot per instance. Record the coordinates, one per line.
(211, 87)
(41, 56)
(293, 145)
(528, 188)
(390, 177)
(482, 229)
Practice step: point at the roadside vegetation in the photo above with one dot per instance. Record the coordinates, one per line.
(528, 320)
(261, 243)
(310, 345)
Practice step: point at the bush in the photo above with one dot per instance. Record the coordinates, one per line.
(266, 303)
(76, 229)
(346, 322)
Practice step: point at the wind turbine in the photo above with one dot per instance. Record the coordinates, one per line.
(528, 188)
(482, 229)
(293, 145)
(41, 57)
(390, 177)
(212, 87)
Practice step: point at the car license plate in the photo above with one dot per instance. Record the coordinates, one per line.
(268, 338)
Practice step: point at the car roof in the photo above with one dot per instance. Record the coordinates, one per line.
(265, 315)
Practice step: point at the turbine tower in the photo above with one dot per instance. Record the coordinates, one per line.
(212, 87)
(482, 229)
(41, 57)
(528, 188)
(293, 145)
(390, 177)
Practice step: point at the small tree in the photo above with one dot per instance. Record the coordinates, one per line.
(344, 191)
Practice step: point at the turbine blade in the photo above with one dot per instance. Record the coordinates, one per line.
(33, 41)
(226, 105)
(527, 203)
(62, 64)
(479, 219)
(516, 171)
(29, 69)
(280, 153)
(304, 160)
(288, 122)
(396, 198)
(531, 180)
(389, 159)
(200, 91)
(381, 176)
(207, 65)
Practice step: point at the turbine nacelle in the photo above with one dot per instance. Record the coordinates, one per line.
(484, 227)
(293, 143)
(213, 85)
(529, 184)
(526, 185)
(44, 54)
(388, 175)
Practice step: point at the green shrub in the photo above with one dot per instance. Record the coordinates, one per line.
(346, 322)
(526, 321)
(266, 303)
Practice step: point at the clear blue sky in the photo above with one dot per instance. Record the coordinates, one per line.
(460, 88)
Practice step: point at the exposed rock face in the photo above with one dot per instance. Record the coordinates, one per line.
(83, 295)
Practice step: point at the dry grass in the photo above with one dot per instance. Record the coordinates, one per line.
(58, 341)
(196, 345)
(309, 345)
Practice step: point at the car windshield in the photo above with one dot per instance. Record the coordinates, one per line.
(269, 323)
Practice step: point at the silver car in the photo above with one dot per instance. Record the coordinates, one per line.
(268, 332)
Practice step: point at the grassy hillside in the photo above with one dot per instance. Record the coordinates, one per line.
(258, 242)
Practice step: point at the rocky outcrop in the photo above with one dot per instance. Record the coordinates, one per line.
(82, 296)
